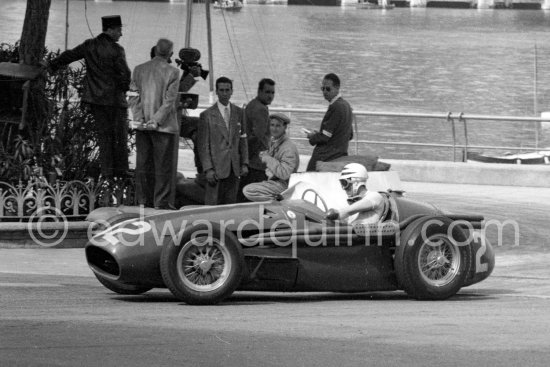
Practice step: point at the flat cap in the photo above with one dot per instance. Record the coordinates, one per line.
(281, 117)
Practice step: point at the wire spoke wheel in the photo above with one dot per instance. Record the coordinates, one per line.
(205, 267)
(204, 264)
(433, 258)
(438, 260)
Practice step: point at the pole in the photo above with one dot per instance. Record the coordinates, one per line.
(210, 59)
(66, 24)
(535, 102)
(188, 24)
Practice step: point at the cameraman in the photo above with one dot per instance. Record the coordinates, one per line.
(192, 70)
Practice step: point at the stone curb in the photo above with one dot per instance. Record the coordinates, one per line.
(45, 234)
(472, 173)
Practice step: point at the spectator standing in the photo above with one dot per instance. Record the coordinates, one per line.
(257, 133)
(106, 82)
(157, 83)
(332, 139)
(222, 146)
(282, 159)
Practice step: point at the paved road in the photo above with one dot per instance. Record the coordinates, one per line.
(69, 320)
(54, 313)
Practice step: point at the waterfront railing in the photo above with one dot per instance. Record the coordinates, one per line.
(459, 122)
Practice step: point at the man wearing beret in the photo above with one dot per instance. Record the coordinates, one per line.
(106, 82)
(282, 159)
(332, 139)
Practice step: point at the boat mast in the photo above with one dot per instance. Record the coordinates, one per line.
(209, 37)
(188, 24)
(210, 60)
(536, 97)
(66, 24)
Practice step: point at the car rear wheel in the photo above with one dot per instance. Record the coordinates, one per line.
(121, 288)
(433, 258)
(205, 267)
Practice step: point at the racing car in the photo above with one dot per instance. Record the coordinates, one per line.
(202, 254)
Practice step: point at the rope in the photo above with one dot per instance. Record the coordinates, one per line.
(268, 54)
(233, 52)
(86, 17)
(240, 54)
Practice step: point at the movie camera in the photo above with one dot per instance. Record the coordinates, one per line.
(188, 62)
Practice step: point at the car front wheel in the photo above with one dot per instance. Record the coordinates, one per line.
(205, 267)
(433, 258)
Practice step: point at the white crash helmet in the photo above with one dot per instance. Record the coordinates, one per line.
(353, 177)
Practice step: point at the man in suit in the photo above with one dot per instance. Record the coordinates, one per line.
(223, 148)
(157, 83)
(332, 139)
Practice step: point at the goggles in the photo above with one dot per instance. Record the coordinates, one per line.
(345, 183)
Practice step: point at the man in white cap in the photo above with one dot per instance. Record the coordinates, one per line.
(105, 85)
(282, 159)
(364, 206)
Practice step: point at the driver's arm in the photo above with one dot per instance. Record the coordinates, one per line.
(371, 201)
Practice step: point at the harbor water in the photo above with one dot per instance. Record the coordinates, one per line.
(427, 60)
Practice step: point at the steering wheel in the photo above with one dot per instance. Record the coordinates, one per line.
(316, 198)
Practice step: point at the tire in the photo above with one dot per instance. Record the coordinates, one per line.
(449, 254)
(205, 267)
(121, 288)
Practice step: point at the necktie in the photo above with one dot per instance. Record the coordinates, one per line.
(226, 117)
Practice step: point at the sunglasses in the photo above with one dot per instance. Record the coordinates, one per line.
(328, 89)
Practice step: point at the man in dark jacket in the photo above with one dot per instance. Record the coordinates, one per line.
(106, 82)
(257, 134)
(332, 139)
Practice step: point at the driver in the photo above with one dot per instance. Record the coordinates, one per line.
(364, 206)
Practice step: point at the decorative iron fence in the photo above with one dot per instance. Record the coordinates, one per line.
(72, 200)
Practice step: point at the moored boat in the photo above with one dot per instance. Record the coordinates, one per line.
(540, 157)
(381, 4)
(228, 5)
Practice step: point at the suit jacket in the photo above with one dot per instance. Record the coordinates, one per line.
(107, 73)
(257, 132)
(220, 149)
(157, 83)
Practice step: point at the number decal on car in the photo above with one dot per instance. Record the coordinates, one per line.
(480, 268)
(141, 227)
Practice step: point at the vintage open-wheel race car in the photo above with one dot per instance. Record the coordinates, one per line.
(205, 253)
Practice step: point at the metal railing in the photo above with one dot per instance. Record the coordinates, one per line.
(450, 117)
